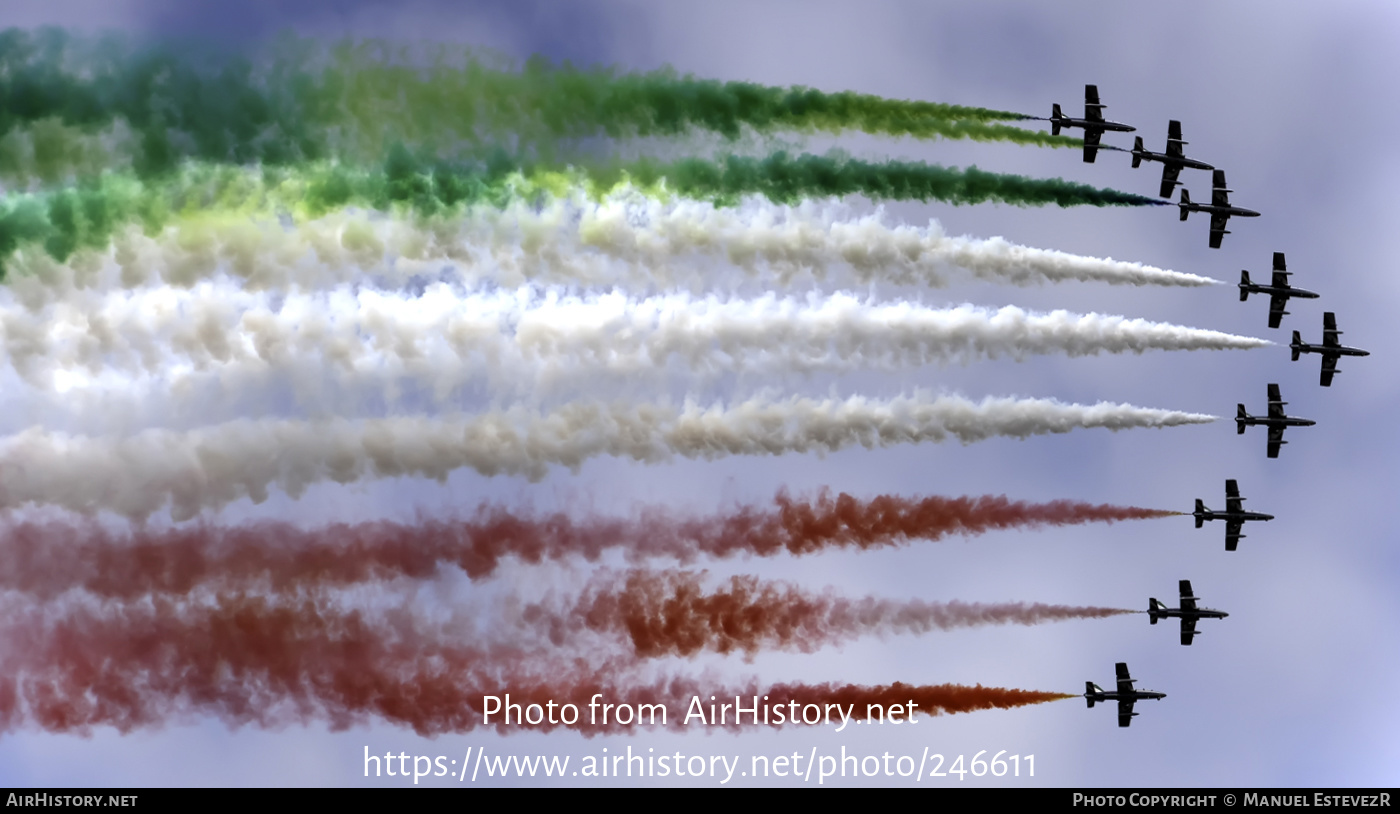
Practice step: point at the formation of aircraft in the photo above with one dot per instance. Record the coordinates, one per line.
(1234, 515)
(1173, 160)
(1279, 292)
(1126, 696)
(1189, 612)
(1219, 208)
(1093, 122)
(1276, 421)
(1330, 349)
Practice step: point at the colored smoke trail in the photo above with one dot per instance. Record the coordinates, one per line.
(301, 100)
(208, 468)
(245, 661)
(525, 342)
(87, 216)
(46, 559)
(786, 179)
(625, 240)
(819, 238)
(669, 613)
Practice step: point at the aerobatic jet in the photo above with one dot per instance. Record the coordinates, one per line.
(1278, 293)
(1173, 160)
(1234, 514)
(1276, 421)
(1219, 208)
(1126, 696)
(1330, 348)
(1093, 122)
(1188, 612)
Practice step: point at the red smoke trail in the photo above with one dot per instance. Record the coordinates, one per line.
(246, 661)
(668, 613)
(933, 699)
(45, 559)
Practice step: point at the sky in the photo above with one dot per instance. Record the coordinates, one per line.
(1294, 101)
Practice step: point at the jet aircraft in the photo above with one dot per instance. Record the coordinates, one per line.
(1330, 348)
(1188, 612)
(1234, 514)
(1276, 421)
(1093, 122)
(1126, 696)
(1278, 293)
(1219, 208)
(1173, 160)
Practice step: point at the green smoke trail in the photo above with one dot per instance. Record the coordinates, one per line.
(785, 179)
(86, 215)
(302, 101)
(566, 102)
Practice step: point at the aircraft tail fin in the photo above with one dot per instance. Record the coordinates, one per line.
(1297, 341)
(1137, 152)
(1089, 690)
(1200, 511)
(1154, 609)
(1055, 116)
(1244, 285)
(1240, 416)
(1185, 202)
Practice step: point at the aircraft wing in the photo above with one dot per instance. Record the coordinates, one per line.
(1275, 441)
(1329, 369)
(1276, 402)
(1219, 193)
(1217, 228)
(1277, 302)
(1174, 141)
(1093, 111)
(1329, 330)
(1169, 175)
(1188, 598)
(1125, 681)
(1233, 527)
(1125, 711)
(1232, 495)
(1091, 143)
(1188, 629)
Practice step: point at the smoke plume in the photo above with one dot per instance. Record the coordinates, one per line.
(624, 240)
(302, 100)
(245, 660)
(669, 613)
(526, 343)
(208, 468)
(46, 559)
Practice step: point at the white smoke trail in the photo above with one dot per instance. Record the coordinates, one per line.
(140, 474)
(627, 240)
(817, 238)
(529, 342)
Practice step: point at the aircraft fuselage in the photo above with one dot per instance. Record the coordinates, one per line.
(1232, 211)
(1266, 421)
(1199, 613)
(1287, 291)
(1328, 350)
(1131, 695)
(1180, 161)
(1211, 514)
(1089, 124)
